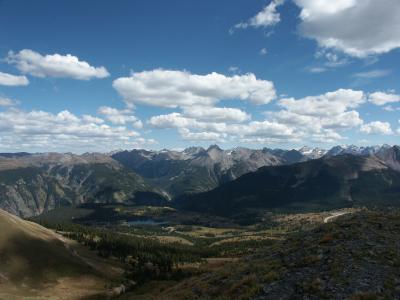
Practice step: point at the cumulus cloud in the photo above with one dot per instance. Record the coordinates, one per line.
(319, 118)
(186, 134)
(356, 27)
(216, 114)
(177, 120)
(265, 128)
(237, 132)
(92, 119)
(267, 17)
(377, 127)
(54, 65)
(168, 88)
(326, 105)
(381, 98)
(64, 131)
(12, 80)
(120, 117)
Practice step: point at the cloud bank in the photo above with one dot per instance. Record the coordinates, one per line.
(168, 88)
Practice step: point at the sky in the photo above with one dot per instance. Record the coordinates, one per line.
(78, 76)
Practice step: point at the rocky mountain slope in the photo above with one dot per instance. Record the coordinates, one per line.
(197, 169)
(329, 182)
(33, 184)
(353, 257)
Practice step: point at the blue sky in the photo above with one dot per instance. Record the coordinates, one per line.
(170, 74)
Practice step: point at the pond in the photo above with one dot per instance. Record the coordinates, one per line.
(144, 222)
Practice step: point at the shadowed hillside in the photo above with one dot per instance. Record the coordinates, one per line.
(36, 262)
(326, 183)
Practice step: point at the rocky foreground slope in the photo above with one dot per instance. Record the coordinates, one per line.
(353, 257)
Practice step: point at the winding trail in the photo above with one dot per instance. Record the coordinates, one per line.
(335, 215)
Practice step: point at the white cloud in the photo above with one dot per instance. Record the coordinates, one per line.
(372, 74)
(381, 98)
(234, 70)
(216, 114)
(186, 126)
(120, 117)
(167, 88)
(92, 119)
(263, 51)
(7, 102)
(356, 27)
(55, 65)
(331, 59)
(327, 105)
(313, 119)
(12, 80)
(268, 16)
(317, 70)
(316, 8)
(270, 129)
(377, 127)
(319, 119)
(186, 134)
(44, 131)
(390, 108)
(177, 120)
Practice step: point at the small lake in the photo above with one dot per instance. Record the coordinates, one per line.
(144, 222)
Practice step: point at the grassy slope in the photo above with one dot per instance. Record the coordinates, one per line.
(34, 262)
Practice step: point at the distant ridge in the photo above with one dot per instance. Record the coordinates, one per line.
(330, 182)
(197, 169)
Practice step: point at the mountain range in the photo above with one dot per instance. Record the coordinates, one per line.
(196, 169)
(197, 178)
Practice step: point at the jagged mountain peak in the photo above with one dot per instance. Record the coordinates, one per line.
(194, 150)
(356, 150)
(214, 147)
(312, 153)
